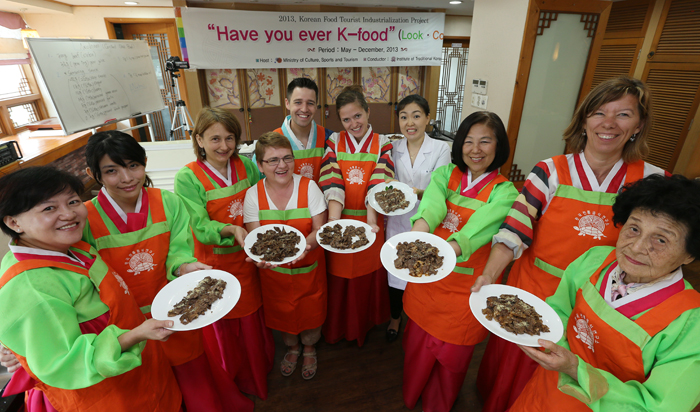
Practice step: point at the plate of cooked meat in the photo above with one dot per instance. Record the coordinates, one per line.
(277, 244)
(515, 315)
(345, 236)
(196, 299)
(392, 199)
(418, 257)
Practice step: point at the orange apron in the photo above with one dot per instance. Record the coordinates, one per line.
(307, 162)
(575, 221)
(226, 205)
(149, 387)
(294, 296)
(442, 308)
(144, 268)
(357, 170)
(602, 346)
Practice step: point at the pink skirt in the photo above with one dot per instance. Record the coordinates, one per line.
(245, 349)
(504, 371)
(355, 306)
(433, 370)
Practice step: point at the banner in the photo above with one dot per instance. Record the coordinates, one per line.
(233, 39)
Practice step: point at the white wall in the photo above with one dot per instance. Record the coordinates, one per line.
(494, 50)
(458, 26)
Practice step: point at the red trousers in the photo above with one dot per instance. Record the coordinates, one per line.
(433, 370)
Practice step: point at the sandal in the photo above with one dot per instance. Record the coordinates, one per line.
(393, 334)
(309, 371)
(285, 364)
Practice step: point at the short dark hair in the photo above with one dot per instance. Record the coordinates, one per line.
(304, 83)
(414, 98)
(119, 146)
(491, 120)
(676, 197)
(22, 190)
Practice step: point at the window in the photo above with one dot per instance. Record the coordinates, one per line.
(20, 100)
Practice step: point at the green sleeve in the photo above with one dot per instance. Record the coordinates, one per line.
(194, 197)
(181, 243)
(251, 169)
(485, 221)
(42, 326)
(433, 208)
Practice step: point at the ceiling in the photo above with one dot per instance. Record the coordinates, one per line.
(64, 6)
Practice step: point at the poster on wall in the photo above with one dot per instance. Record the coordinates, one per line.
(233, 39)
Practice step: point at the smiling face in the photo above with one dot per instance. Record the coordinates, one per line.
(302, 106)
(611, 126)
(650, 247)
(55, 224)
(355, 120)
(282, 172)
(123, 183)
(219, 145)
(479, 149)
(413, 121)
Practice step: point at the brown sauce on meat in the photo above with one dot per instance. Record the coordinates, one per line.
(420, 258)
(334, 236)
(276, 244)
(514, 315)
(198, 300)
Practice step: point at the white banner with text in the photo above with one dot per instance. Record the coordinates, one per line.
(233, 39)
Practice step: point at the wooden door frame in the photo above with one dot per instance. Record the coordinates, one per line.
(657, 37)
(602, 8)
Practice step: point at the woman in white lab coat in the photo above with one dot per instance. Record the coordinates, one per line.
(415, 158)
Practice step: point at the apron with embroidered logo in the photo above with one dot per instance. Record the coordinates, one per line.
(441, 308)
(144, 392)
(226, 205)
(601, 345)
(294, 296)
(140, 258)
(307, 162)
(357, 171)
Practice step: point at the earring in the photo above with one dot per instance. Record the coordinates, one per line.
(634, 136)
(202, 152)
(584, 133)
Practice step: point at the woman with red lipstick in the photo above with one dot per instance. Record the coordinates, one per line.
(213, 189)
(144, 234)
(294, 294)
(565, 208)
(70, 319)
(355, 161)
(464, 203)
(632, 323)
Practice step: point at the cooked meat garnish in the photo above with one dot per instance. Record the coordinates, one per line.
(198, 300)
(276, 244)
(391, 199)
(335, 237)
(514, 315)
(420, 258)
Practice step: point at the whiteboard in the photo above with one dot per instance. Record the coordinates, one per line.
(93, 82)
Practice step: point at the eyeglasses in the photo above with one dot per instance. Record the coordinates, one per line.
(276, 160)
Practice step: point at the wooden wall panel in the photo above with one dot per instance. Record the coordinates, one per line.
(617, 57)
(679, 40)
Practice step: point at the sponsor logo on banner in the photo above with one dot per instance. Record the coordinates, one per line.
(591, 224)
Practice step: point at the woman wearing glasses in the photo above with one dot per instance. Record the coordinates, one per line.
(213, 189)
(294, 294)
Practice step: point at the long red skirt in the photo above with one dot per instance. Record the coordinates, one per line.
(245, 349)
(355, 306)
(505, 370)
(433, 370)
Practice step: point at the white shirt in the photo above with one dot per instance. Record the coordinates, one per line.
(317, 203)
(43, 252)
(432, 154)
(226, 179)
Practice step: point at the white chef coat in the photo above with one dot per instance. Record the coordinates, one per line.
(432, 154)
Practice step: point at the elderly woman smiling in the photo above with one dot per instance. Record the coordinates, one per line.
(632, 321)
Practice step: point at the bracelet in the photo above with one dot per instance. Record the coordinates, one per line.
(177, 272)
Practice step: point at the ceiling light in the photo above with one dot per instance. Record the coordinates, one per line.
(456, 2)
(131, 3)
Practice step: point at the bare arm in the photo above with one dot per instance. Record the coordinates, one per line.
(500, 257)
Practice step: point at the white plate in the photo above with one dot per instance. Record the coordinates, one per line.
(253, 237)
(407, 191)
(477, 302)
(371, 236)
(174, 291)
(388, 256)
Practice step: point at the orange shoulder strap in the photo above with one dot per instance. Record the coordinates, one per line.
(661, 315)
(562, 166)
(30, 264)
(486, 190)
(279, 130)
(340, 144)
(262, 196)
(240, 169)
(303, 195)
(635, 171)
(155, 204)
(97, 225)
(320, 136)
(608, 260)
(374, 147)
(201, 175)
(455, 179)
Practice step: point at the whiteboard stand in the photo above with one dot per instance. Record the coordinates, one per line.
(148, 124)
